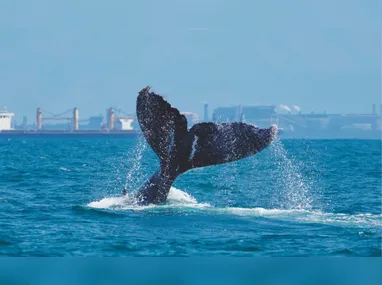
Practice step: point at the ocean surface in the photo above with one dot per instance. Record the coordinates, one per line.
(296, 198)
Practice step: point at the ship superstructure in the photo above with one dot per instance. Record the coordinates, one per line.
(5, 120)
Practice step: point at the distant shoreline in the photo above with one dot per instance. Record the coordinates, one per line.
(68, 134)
(93, 134)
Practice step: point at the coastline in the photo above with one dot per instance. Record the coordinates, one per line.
(92, 134)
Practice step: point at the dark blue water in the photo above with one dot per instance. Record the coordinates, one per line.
(296, 198)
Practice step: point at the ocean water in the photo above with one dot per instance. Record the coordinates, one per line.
(296, 198)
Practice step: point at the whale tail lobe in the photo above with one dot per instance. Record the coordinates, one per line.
(164, 128)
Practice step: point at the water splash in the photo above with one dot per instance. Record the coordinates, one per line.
(176, 198)
(135, 174)
(294, 191)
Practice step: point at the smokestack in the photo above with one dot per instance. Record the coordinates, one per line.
(206, 112)
(75, 119)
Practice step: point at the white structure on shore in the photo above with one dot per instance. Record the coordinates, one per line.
(5, 120)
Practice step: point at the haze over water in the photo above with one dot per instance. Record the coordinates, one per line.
(296, 198)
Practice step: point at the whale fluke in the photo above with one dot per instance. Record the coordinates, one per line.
(227, 142)
(180, 149)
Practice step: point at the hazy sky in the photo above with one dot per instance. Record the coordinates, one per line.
(320, 55)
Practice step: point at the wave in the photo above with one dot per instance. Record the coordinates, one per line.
(64, 169)
(179, 200)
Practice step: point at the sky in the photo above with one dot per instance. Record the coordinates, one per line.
(320, 55)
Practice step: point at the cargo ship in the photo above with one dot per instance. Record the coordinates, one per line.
(68, 134)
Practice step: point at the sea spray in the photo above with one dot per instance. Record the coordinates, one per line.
(105, 178)
(135, 173)
(294, 190)
(124, 168)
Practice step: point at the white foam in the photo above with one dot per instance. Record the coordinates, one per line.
(178, 196)
(178, 199)
(108, 202)
(307, 216)
(175, 199)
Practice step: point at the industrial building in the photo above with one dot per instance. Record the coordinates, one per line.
(227, 114)
(261, 116)
(329, 122)
(297, 125)
(304, 125)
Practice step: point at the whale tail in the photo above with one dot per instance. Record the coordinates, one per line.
(180, 149)
(165, 129)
